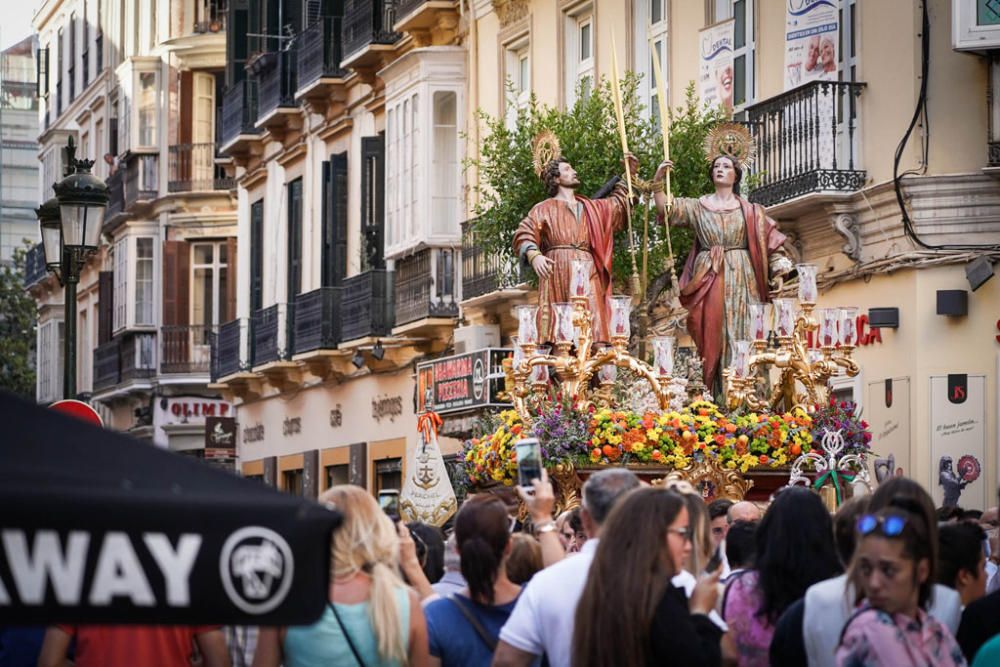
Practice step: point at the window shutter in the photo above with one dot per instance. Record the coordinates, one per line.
(256, 255)
(338, 215)
(326, 249)
(176, 282)
(294, 239)
(373, 201)
(42, 72)
(231, 274)
(105, 305)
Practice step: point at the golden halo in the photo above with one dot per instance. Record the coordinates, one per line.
(544, 149)
(732, 140)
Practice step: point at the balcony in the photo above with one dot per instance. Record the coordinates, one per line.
(107, 365)
(368, 32)
(278, 75)
(116, 193)
(367, 306)
(807, 142)
(138, 356)
(485, 273)
(34, 266)
(185, 350)
(209, 16)
(273, 336)
(239, 113)
(228, 356)
(142, 179)
(317, 319)
(320, 54)
(193, 169)
(431, 22)
(425, 289)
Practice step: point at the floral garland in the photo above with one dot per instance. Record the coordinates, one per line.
(676, 439)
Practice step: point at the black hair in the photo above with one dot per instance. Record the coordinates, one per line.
(429, 541)
(794, 550)
(949, 513)
(961, 547)
(740, 544)
(574, 520)
(844, 527)
(718, 508)
(736, 167)
(916, 538)
(481, 536)
(550, 176)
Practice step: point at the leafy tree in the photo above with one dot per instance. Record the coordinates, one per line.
(588, 135)
(17, 330)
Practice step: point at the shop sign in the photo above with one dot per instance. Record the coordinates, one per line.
(387, 406)
(189, 410)
(336, 417)
(220, 432)
(865, 335)
(888, 411)
(958, 439)
(220, 453)
(461, 382)
(291, 426)
(253, 433)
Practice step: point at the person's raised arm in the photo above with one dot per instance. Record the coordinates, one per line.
(212, 645)
(410, 564)
(54, 648)
(540, 504)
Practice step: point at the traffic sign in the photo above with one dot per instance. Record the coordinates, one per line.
(78, 409)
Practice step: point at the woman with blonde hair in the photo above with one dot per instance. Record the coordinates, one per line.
(373, 618)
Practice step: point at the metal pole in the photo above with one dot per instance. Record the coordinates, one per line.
(71, 276)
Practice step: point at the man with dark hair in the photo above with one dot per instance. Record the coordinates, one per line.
(740, 546)
(962, 560)
(717, 510)
(542, 622)
(980, 623)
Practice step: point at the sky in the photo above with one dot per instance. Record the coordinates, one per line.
(16, 24)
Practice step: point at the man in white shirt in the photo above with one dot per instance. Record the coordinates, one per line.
(542, 620)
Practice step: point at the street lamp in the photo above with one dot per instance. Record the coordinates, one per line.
(71, 222)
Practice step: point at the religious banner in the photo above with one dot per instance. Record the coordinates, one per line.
(888, 412)
(811, 37)
(958, 440)
(427, 494)
(715, 56)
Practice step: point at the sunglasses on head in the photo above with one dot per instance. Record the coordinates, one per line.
(889, 526)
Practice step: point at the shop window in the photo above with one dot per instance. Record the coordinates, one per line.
(388, 474)
(291, 482)
(337, 475)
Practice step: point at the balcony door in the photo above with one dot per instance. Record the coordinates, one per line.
(203, 130)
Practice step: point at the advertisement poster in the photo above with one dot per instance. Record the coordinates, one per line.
(715, 76)
(888, 414)
(958, 440)
(461, 382)
(811, 39)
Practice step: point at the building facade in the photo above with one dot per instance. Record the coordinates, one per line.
(18, 150)
(138, 86)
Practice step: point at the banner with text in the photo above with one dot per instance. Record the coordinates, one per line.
(811, 39)
(958, 440)
(715, 76)
(888, 413)
(461, 382)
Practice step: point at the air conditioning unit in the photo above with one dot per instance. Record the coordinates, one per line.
(477, 337)
(975, 25)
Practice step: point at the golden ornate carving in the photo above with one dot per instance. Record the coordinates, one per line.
(510, 11)
(567, 487)
(435, 517)
(710, 480)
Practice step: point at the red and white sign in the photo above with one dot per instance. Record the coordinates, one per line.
(866, 336)
(78, 409)
(178, 413)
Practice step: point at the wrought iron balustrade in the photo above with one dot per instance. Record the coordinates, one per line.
(484, 272)
(425, 286)
(320, 51)
(318, 319)
(192, 168)
(116, 194)
(272, 333)
(34, 265)
(142, 178)
(185, 348)
(277, 82)
(367, 305)
(107, 365)
(806, 141)
(227, 348)
(368, 22)
(138, 352)
(210, 16)
(239, 111)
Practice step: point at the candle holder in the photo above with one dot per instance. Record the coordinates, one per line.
(564, 329)
(527, 324)
(758, 326)
(663, 356)
(579, 278)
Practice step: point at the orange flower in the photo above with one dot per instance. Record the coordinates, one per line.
(614, 455)
(795, 449)
(703, 412)
(763, 459)
(516, 429)
(656, 455)
(596, 453)
(647, 421)
(730, 428)
(720, 439)
(608, 449)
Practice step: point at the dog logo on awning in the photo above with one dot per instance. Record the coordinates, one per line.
(256, 566)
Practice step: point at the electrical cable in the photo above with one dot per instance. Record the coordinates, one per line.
(921, 112)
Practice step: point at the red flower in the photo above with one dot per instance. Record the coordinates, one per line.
(607, 449)
(763, 459)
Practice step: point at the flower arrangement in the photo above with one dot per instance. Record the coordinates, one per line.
(492, 458)
(843, 416)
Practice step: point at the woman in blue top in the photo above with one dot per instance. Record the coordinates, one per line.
(373, 619)
(464, 627)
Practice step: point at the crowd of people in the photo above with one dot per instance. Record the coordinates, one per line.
(637, 574)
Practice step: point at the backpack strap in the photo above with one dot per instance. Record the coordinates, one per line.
(486, 637)
(347, 636)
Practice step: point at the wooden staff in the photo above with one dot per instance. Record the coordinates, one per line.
(661, 98)
(620, 116)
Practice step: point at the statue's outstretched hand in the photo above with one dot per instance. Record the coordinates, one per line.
(661, 171)
(542, 266)
(631, 163)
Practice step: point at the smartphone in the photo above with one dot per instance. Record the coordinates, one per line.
(529, 461)
(388, 500)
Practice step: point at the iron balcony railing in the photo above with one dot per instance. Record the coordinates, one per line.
(320, 51)
(484, 272)
(273, 337)
(193, 169)
(229, 354)
(107, 365)
(278, 82)
(34, 265)
(318, 319)
(425, 286)
(142, 178)
(239, 110)
(368, 22)
(210, 16)
(807, 141)
(367, 305)
(116, 194)
(138, 356)
(185, 349)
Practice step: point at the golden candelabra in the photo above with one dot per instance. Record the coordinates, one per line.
(788, 350)
(577, 358)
